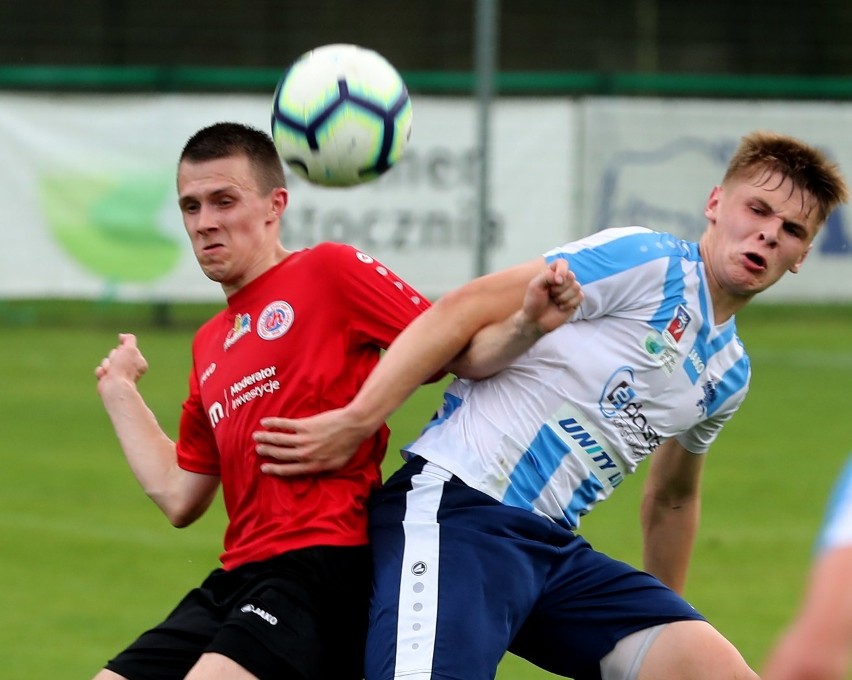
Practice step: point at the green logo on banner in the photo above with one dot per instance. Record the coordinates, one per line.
(110, 225)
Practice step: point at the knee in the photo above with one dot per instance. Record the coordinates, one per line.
(693, 650)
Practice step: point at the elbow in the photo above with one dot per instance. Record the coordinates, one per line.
(181, 520)
(180, 514)
(463, 369)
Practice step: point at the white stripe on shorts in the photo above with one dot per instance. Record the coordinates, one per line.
(418, 587)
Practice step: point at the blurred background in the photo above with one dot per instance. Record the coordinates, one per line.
(581, 116)
(535, 122)
(726, 37)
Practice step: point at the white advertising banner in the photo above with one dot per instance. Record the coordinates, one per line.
(90, 211)
(653, 162)
(89, 190)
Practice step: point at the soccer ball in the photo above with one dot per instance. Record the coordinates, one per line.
(341, 115)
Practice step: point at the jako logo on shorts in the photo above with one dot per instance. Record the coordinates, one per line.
(266, 616)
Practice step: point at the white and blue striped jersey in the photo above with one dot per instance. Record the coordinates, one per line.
(641, 361)
(837, 526)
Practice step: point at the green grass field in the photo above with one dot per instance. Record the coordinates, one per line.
(87, 561)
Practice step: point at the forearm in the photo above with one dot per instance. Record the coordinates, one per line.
(819, 641)
(496, 346)
(669, 527)
(829, 594)
(150, 453)
(433, 340)
(426, 347)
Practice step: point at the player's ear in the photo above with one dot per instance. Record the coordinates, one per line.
(794, 269)
(712, 204)
(279, 202)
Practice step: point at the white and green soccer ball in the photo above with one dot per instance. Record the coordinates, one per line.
(341, 115)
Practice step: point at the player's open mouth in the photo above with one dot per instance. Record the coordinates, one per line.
(755, 261)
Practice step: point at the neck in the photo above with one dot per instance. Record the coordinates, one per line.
(725, 305)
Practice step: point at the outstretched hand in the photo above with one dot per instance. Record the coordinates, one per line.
(320, 443)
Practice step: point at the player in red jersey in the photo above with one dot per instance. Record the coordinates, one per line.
(300, 333)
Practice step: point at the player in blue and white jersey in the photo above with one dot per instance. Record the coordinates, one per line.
(622, 346)
(818, 643)
(641, 362)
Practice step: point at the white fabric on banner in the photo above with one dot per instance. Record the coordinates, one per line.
(90, 209)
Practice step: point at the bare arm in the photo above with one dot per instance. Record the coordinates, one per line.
(671, 507)
(551, 298)
(182, 496)
(818, 643)
(326, 441)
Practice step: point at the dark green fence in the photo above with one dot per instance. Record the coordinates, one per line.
(196, 79)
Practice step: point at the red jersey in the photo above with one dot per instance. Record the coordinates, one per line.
(298, 340)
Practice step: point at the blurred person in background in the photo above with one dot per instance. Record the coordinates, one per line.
(474, 538)
(818, 643)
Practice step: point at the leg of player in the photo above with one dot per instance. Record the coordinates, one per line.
(687, 650)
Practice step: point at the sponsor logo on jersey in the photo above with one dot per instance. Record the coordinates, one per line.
(253, 386)
(265, 615)
(242, 325)
(620, 403)
(418, 568)
(215, 413)
(658, 347)
(275, 320)
(607, 468)
(710, 392)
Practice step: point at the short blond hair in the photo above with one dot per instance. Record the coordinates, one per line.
(808, 167)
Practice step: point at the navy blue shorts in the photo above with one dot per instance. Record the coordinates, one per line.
(300, 615)
(459, 578)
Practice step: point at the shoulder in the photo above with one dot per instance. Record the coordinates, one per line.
(213, 323)
(641, 241)
(332, 249)
(342, 254)
(624, 251)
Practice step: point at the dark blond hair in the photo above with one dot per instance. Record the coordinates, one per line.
(810, 169)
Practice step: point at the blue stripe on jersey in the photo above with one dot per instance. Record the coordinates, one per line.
(693, 254)
(617, 256)
(584, 497)
(839, 494)
(700, 346)
(733, 381)
(673, 288)
(451, 403)
(535, 468)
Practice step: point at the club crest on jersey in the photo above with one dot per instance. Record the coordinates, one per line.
(275, 320)
(242, 325)
(674, 331)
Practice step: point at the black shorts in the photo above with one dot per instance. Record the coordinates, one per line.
(302, 615)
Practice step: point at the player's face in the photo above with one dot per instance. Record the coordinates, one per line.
(232, 225)
(759, 228)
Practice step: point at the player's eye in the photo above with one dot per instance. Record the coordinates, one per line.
(794, 230)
